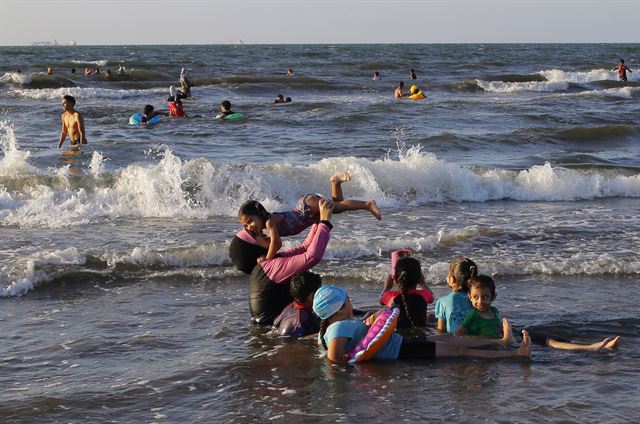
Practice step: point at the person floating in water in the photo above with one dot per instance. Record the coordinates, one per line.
(122, 70)
(281, 99)
(225, 109)
(289, 72)
(622, 70)
(176, 109)
(376, 76)
(151, 112)
(412, 74)
(72, 124)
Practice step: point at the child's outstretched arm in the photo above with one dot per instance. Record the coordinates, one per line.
(442, 326)
(337, 350)
(275, 242)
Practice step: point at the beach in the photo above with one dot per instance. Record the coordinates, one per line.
(119, 303)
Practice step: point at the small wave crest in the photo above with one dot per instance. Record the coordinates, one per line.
(199, 188)
(83, 93)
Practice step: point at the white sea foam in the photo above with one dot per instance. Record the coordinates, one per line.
(14, 163)
(199, 188)
(82, 93)
(556, 80)
(16, 78)
(516, 87)
(620, 92)
(32, 276)
(101, 63)
(553, 75)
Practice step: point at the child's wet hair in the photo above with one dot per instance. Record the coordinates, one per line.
(483, 281)
(253, 208)
(462, 269)
(302, 285)
(226, 104)
(408, 273)
(148, 109)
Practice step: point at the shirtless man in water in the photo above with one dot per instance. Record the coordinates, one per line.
(72, 124)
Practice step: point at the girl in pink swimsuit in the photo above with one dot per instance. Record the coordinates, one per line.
(255, 218)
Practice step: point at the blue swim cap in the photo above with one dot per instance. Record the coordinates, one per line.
(328, 300)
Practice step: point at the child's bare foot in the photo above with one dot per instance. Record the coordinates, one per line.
(525, 347)
(607, 343)
(372, 207)
(507, 338)
(613, 343)
(340, 177)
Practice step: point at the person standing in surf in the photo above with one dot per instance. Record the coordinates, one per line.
(622, 70)
(72, 124)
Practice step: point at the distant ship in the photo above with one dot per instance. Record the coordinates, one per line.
(239, 43)
(71, 43)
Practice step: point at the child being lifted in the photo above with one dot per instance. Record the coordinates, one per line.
(255, 218)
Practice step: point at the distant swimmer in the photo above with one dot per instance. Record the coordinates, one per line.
(122, 70)
(376, 76)
(72, 124)
(398, 94)
(87, 71)
(412, 74)
(281, 99)
(49, 70)
(225, 109)
(289, 72)
(176, 109)
(107, 74)
(73, 71)
(185, 83)
(150, 112)
(622, 70)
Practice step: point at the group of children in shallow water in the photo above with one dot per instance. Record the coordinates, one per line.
(467, 322)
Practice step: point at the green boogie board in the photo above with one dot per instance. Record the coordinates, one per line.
(231, 117)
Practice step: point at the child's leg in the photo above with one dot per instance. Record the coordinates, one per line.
(607, 343)
(358, 205)
(336, 185)
(446, 349)
(507, 331)
(470, 341)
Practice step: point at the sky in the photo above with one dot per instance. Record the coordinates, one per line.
(90, 22)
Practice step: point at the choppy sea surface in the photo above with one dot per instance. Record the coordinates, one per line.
(118, 302)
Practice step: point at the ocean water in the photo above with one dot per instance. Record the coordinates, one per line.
(118, 302)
